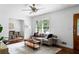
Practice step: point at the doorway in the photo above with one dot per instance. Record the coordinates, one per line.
(16, 28)
(76, 31)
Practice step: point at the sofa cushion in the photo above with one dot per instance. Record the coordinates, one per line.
(49, 36)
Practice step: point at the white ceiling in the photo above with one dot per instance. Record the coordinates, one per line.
(45, 8)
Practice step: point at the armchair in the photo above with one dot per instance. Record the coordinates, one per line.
(50, 40)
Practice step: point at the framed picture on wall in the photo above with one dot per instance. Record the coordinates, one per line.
(11, 26)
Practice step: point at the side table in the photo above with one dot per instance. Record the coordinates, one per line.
(55, 41)
(3, 48)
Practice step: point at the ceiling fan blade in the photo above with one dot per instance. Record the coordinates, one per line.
(31, 7)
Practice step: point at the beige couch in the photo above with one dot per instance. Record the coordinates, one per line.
(49, 39)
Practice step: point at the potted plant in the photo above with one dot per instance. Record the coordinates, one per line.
(1, 28)
(1, 38)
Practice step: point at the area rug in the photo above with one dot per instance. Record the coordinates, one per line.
(20, 48)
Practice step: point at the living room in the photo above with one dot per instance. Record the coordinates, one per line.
(58, 19)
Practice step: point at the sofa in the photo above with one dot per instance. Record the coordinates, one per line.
(47, 39)
(50, 40)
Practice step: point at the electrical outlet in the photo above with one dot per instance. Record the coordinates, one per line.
(64, 43)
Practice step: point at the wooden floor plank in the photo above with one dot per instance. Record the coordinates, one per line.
(67, 51)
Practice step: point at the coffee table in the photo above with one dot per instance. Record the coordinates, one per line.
(35, 44)
(40, 39)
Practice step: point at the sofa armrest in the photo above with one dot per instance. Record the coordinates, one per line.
(54, 36)
(45, 39)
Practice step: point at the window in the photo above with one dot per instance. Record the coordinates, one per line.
(42, 26)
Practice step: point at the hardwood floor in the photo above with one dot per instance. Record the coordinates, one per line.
(67, 51)
(11, 41)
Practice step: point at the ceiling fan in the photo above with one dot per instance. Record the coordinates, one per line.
(33, 8)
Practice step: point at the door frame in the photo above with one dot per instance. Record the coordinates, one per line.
(74, 30)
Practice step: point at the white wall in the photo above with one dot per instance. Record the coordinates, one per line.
(61, 24)
(5, 26)
(27, 27)
(16, 23)
(12, 11)
(17, 13)
(21, 27)
(4, 21)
